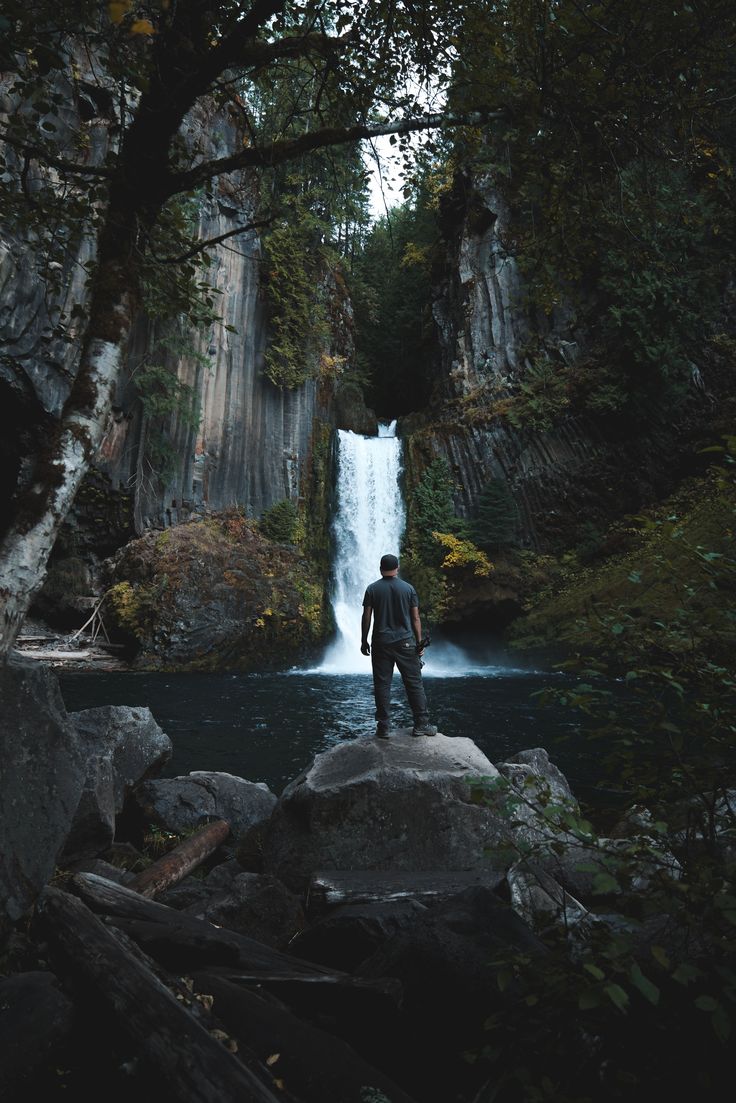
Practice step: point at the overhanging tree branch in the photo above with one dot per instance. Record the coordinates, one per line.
(200, 247)
(69, 168)
(277, 152)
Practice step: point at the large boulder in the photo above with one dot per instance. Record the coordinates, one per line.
(399, 804)
(179, 804)
(215, 595)
(43, 768)
(123, 746)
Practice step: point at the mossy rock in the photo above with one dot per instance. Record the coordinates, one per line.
(216, 595)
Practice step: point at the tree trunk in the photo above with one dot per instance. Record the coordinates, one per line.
(26, 548)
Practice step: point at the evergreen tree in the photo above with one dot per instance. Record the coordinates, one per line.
(497, 520)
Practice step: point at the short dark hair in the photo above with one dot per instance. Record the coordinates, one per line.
(389, 562)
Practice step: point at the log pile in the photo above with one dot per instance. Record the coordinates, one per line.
(211, 1015)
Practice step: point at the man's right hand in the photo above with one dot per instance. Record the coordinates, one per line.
(365, 649)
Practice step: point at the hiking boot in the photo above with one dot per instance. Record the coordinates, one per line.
(424, 729)
(382, 732)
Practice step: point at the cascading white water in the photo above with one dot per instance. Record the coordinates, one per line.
(369, 522)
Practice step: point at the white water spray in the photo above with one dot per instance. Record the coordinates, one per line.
(369, 523)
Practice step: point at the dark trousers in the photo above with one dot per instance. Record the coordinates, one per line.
(403, 655)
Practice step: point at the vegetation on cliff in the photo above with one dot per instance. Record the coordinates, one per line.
(347, 67)
(216, 595)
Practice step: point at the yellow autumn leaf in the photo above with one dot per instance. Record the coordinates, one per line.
(118, 9)
(272, 1059)
(142, 26)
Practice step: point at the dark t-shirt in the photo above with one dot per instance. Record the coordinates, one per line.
(391, 599)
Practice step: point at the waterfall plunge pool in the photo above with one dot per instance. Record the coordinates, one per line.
(268, 726)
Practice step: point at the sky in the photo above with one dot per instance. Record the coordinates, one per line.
(385, 184)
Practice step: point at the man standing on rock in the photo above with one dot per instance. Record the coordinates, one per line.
(396, 641)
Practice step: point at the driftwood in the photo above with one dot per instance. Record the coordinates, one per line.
(172, 867)
(316, 1066)
(178, 940)
(31, 653)
(329, 888)
(196, 1066)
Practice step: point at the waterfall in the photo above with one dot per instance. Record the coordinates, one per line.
(369, 522)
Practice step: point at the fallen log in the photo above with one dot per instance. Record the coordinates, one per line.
(328, 888)
(196, 1066)
(52, 656)
(313, 1064)
(170, 868)
(177, 939)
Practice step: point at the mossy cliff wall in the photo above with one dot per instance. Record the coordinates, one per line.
(510, 395)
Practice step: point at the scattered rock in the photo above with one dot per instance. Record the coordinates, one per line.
(181, 803)
(123, 746)
(44, 770)
(350, 933)
(539, 899)
(36, 1018)
(253, 904)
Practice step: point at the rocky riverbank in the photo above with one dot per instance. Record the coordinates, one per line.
(348, 940)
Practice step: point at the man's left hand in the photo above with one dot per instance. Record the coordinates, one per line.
(365, 649)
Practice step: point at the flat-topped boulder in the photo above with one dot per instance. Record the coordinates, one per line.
(399, 804)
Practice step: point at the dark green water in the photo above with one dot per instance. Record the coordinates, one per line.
(267, 727)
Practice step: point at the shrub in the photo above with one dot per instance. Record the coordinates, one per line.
(281, 523)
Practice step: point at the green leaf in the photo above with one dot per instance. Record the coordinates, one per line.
(588, 998)
(594, 971)
(645, 986)
(660, 956)
(706, 1003)
(617, 996)
(603, 883)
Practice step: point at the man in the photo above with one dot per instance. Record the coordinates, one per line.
(397, 640)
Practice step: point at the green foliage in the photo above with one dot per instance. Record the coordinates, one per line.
(616, 166)
(390, 283)
(436, 543)
(542, 396)
(496, 522)
(172, 287)
(431, 505)
(652, 971)
(281, 523)
(167, 403)
(660, 294)
(292, 271)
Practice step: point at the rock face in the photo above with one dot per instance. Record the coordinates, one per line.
(482, 318)
(252, 446)
(402, 804)
(43, 774)
(566, 466)
(123, 746)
